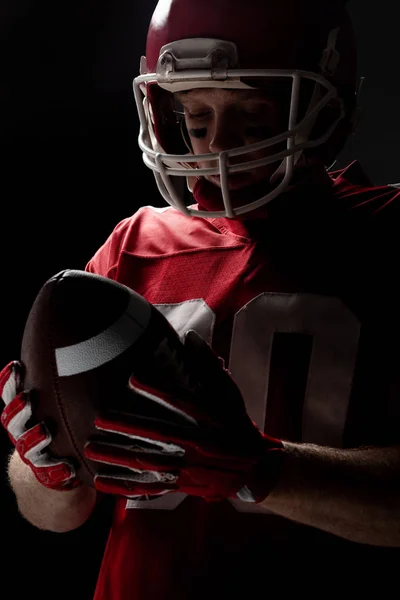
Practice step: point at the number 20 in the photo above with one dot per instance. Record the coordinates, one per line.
(335, 333)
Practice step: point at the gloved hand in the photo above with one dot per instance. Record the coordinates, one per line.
(31, 439)
(205, 444)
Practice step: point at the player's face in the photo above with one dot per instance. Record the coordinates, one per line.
(221, 119)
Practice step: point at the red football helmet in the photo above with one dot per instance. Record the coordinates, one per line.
(304, 47)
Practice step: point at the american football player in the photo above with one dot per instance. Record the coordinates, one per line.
(277, 272)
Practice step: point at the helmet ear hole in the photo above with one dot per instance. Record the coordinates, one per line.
(327, 153)
(325, 119)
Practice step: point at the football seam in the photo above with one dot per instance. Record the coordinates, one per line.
(58, 391)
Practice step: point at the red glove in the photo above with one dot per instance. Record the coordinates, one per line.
(31, 439)
(205, 444)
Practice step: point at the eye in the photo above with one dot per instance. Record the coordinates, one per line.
(256, 112)
(198, 115)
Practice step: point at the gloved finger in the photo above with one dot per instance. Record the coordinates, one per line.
(165, 435)
(32, 442)
(215, 382)
(198, 351)
(177, 403)
(16, 414)
(61, 476)
(11, 381)
(168, 439)
(51, 472)
(122, 486)
(123, 457)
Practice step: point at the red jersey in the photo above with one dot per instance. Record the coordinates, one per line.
(293, 319)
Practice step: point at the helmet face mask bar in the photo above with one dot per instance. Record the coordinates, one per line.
(195, 63)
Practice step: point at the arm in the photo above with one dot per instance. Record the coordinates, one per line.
(57, 511)
(353, 493)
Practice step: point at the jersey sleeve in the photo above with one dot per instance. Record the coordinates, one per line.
(105, 260)
(358, 195)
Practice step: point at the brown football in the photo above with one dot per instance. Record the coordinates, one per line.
(84, 338)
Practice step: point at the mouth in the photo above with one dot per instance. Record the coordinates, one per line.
(235, 180)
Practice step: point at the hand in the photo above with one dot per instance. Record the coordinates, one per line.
(31, 439)
(202, 442)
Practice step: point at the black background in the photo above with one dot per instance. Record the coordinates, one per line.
(70, 170)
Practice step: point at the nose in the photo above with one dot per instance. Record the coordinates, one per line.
(225, 134)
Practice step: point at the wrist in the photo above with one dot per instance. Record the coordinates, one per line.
(266, 472)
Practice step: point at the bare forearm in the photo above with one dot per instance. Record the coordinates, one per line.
(48, 509)
(354, 494)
